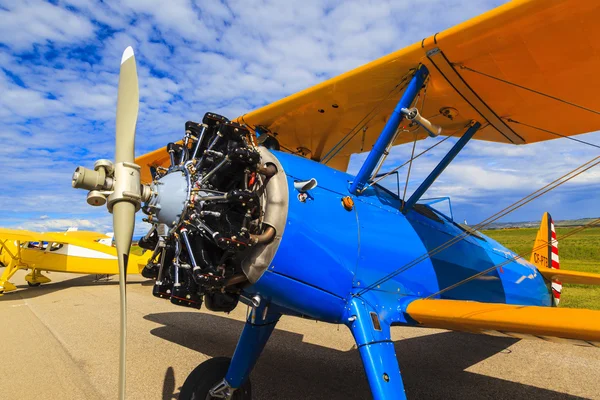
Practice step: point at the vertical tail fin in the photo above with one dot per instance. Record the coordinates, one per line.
(545, 254)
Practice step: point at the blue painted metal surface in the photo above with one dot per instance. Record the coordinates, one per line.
(387, 242)
(373, 339)
(441, 166)
(327, 255)
(254, 337)
(388, 132)
(299, 298)
(516, 283)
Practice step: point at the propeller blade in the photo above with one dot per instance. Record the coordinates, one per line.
(127, 108)
(124, 211)
(123, 224)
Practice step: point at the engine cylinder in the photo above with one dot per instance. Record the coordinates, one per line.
(224, 205)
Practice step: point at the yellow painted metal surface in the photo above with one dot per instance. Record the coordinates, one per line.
(546, 45)
(566, 276)
(540, 322)
(66, 252)
(22, 235)
(540, 256)
(35, 277)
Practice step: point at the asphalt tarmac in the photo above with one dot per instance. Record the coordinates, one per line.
(60, 341)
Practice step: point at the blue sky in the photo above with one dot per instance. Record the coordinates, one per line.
(59, 65)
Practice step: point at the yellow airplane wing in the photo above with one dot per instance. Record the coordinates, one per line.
(548, 323)
(89, 235)
(479, 70)
(23, 235)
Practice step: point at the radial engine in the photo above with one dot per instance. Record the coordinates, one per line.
(217, 215)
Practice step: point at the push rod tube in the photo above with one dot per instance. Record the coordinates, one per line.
(441, 167)
(388, 132)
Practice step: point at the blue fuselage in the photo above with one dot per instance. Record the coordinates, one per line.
(328, 254)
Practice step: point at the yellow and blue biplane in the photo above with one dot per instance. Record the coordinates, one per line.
(259, 210)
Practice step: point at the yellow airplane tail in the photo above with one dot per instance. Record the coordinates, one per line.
(545, 253)
(545, 258)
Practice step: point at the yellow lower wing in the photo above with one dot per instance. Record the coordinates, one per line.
(548, 323)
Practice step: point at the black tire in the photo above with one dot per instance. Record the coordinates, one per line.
(206, 376)
(34, 284)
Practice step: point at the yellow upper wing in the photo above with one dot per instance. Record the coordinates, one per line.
(545, 45)
(24, 236)
(548, 323)
(85, 235)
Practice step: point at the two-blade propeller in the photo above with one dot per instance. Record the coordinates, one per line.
(124, 211)
(119, 183)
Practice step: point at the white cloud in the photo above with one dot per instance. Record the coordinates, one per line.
(23, 23)
(62, 224)
(59, 73)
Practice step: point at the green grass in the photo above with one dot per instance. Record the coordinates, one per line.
(137, 250)
(580, 252)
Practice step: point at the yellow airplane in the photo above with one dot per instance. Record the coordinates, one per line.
(78, 252)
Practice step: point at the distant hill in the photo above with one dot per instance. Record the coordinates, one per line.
(536, 224)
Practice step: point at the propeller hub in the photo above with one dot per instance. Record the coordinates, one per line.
(171, 194)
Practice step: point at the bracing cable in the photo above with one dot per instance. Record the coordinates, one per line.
(412, 157)
(516, 257)
(417, 156)
(464, 67)
(553, 133)
(366, 119)
(525, 200)
(551, 186)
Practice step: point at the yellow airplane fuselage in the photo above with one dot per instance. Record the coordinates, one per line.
(79, 256)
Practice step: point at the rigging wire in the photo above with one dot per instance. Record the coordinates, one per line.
(360, 126)
(417, 156)
(412, 157)
(398, 88)
(508, 261)
(551, 186)
(552, 133)
(362, 123)
(461, 66)
(386, 153)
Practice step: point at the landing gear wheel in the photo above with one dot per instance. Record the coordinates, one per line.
(34, 284)
(206, 376)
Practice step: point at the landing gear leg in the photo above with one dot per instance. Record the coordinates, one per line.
(376, 348)
(35, 278)
(9, 271)
(228, 379)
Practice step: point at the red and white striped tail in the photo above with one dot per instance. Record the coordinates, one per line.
(555, 263)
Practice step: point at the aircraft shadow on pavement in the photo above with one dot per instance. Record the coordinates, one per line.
(25, 292)
(433, 366)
